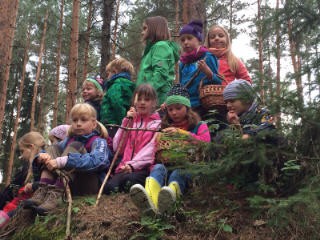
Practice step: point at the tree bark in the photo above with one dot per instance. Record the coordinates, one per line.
(278, 56)
(16, 121)
(108, 6)
(115, 30)
(260, 50)
(58, 62)
(73, 60)
(36, 83)
(8, 16)
(87, 42)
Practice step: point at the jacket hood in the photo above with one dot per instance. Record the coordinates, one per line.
(175, 49)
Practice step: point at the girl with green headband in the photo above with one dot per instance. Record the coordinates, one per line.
(92, 93)
(179, 118)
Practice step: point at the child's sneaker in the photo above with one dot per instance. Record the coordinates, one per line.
(53, 198)
(167, 197)
(37, 198)
(4, 218)
(142, 200)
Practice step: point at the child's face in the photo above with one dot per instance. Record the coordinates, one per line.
(25, 152)
(237, 106)
(217, 38)
(177, 112)
(82, 124)
(144, 32)
(189, 42)
(144, 105)
(89, 91)
(111, 72)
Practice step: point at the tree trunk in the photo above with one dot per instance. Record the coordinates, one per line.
(16, 121)
(8, 16)
(177, 20)
(185, 11)
(36, 83)
(116, 21)
(58, 62)
(296, 62)
(108, 6)
(87, 42)
(194, 9)
(260, 50)
(73, 59)
(278, 56)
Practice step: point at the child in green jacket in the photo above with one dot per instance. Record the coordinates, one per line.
(159, 57)
(118, 93)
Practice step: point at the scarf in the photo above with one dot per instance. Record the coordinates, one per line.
(218, 52)
(114, 76)
(182, 125)
(193, 56)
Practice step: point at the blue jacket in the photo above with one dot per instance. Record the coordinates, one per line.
(186, 71)
(98, 159)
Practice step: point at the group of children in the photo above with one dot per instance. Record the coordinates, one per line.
(82, 148)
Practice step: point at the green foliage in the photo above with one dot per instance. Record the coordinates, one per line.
(151, 228)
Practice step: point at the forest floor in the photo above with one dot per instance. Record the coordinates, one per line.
(204, 213)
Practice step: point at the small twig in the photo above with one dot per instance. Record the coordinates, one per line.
(133, 129)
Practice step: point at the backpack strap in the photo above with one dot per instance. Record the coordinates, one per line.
(89, 143)
(195, 130)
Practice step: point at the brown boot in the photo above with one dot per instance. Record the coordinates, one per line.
(38, 196)
(52, 200)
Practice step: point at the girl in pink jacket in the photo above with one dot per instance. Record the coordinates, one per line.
(138, 147)
(230, 67)
(163, 187)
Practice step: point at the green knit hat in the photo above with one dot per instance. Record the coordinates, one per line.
(95, 82)
(178, 94)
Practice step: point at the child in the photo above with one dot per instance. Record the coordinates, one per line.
(230, 67)
(58, 133)
(156, 197)
(30, 145)
(159, 57)
(139, 146)
(119, 90)
(196, 63)
(92, 93)
(243, 109)
(84, 150)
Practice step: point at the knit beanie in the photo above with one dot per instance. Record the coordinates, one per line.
(96, 82)
(193, 28)
(60, 131)
(178, 94)
(239, 89)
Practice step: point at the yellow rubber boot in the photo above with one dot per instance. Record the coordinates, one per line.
(176, 188)
(153, 188)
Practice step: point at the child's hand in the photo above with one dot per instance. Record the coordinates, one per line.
(245, 136)
(126, 169)
(202, 65)
(131, 113)
(170, 130)
(28, 188)
(43, 157)
(52, 164)
(163, 106)
(233, 118)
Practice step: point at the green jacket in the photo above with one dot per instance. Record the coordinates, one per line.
(158, 67)
(117, 100)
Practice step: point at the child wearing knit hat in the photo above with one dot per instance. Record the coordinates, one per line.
(58, 133)
(92, 93)
(155, 197)
(243, 109)
(196, 63)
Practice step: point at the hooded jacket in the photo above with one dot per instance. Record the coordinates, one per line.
(157, 67)
(139, 146)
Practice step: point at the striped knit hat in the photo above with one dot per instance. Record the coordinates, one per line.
(178, 94)
(239, 89)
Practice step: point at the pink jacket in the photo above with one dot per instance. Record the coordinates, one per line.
(229, 76)
(202, 134)
(139, 146)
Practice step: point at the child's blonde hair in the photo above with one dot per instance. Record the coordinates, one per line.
(231, 58)
(95, 83)
(32, 138)
(120, 65)
(87, 110)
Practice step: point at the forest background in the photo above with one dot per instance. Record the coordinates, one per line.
(47, 48)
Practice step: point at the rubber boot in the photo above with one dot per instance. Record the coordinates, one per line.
(167, 197)
(144, 198)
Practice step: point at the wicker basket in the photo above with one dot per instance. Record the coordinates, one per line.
(211, 96)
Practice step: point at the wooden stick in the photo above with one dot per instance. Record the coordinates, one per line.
(133, 129)
(124, 135)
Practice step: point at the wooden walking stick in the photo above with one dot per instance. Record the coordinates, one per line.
(124, 135)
